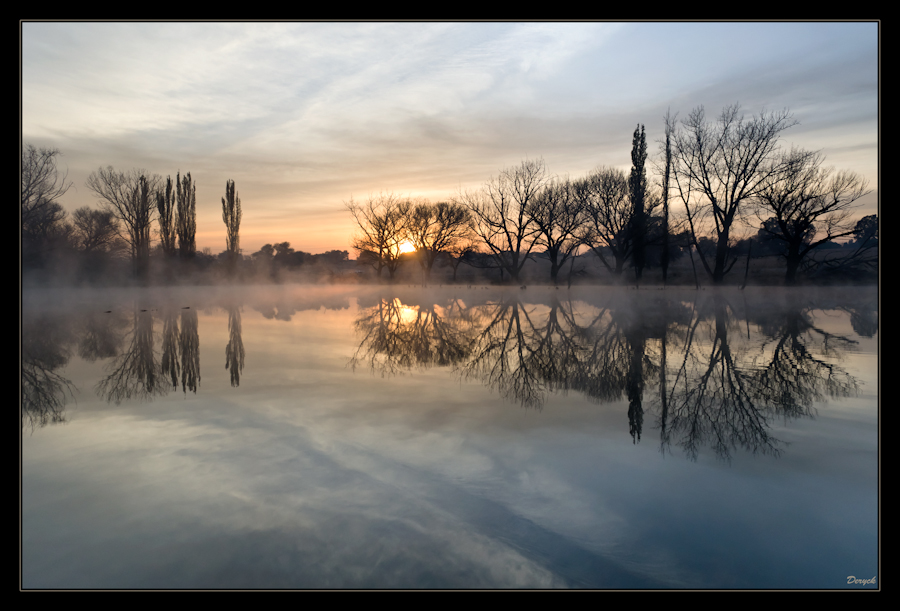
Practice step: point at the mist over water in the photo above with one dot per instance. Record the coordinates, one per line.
(303, 436)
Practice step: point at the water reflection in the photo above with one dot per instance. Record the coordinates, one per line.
(137, 371)
(398, 336)
(189, 342)
(234, 350)
(691, 363)
(170, 364)
(126, 338)
(800, 363)
(44, 390)
(708, 369)
(521, 448)
(715, 396)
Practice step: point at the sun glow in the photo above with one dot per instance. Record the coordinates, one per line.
(406, 246)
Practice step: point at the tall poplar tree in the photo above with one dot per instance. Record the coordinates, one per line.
(165, 204)
(187, 215)
(637, 186)
(231, 215)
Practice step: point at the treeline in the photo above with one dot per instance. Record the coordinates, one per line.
(281, 262)
(144, 228)
(720, 190)
(716, 191)
(112, 242)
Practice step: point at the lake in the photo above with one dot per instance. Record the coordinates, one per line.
(450, 437)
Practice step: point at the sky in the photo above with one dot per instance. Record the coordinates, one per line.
(304, 116)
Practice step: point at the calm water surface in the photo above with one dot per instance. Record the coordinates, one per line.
(312, 437)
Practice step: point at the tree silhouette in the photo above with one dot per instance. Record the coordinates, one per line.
(719, 168)
(637, 189)
(382, 222)
(667, 165)
(186, 222)
(437, 228)
(95, 231)
(557, 215)
(608, 216)
(500, 214)
(131, 197)
(810, 206)
(166, 207)
(231, 215)
(42, 184)
(42, 216)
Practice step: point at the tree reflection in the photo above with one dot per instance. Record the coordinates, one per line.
(690, 363)
(863, 319)
(189, 341)
(101, 335)
(714, 399)
(727, 388)
(616, 359)
(44, 390)
(397, 337)
(557, 350)
(704, 373)
(137, 372)
(800, 367)
(507, 354)
(234, 350)
(170, 365)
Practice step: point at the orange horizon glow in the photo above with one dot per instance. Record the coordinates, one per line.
(406, 246)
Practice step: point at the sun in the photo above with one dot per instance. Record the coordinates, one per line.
(406, 246)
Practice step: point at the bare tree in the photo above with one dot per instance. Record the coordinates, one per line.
(231, 215)
(186, 223)
(667, 160)
(811, 205)
(43, 217)
(608, 216)
(131, 197)
(717, 168)
(557, 215)
(437, 228)
(41, 183)
(95, 231)
(499, 213)
(382, 223)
